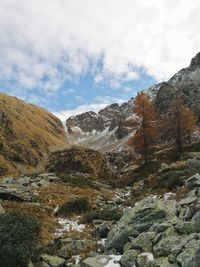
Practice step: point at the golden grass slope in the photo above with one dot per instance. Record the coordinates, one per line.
(27, 134)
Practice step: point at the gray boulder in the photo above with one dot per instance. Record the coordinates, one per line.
(17, 193)
(97, 261)
(137, 220)
(129, 258)
(163, 262)
(193, 181)
(53, 261)
(190, 256)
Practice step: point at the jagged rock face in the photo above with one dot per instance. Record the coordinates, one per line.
(185, 83)
(27, 133)
(80, 160)
(88, 128)
(104, 131)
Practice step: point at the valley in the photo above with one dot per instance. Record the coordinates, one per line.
(92, 199)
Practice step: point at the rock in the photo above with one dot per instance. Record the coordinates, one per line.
(24, 181)
(187, 201)
(145, 259)
(96, 261)
(164, 167)
(129, 258)
(163, 262)
(17, 193)
(53, 261)
(74, 247)
(193, 181)
(190, 256)
(1, 210)
(193, 163)
(102, 230)
(187, 228)
(51, 177)
(7, 180)
(82, 160)
(43, 183)
(137, 220)
(196, 217)
(144, 241)
(161, 227)
(172, 244)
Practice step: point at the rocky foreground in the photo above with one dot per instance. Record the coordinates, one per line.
(159, 230)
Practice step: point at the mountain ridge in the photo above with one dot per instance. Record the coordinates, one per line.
(87, 128)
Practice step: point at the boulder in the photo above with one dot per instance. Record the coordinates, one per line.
(53, 261)
(98, 261)
(74, 247)
(145, 259)
(171, 245)
(17, 193)
(193, 181)
(163, 262)
(102, 230)
(190, 256)
(137, 220)
(144, 241)
(187, 228)
(129, 258)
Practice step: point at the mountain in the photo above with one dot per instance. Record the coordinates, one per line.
(185, 83)
(27, 134)
(103, 131)
(106, 131)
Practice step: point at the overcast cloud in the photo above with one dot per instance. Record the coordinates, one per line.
(46, 42)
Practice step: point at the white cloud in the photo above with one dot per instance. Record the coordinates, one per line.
(64, 114)
(43, 43)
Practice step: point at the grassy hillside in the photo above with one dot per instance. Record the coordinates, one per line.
(27, 134)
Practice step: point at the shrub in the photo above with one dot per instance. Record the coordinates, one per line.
(76, 205)
(106, 215)
(18, 236)
(78, 180)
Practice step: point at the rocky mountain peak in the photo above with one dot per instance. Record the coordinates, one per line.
(195, 62)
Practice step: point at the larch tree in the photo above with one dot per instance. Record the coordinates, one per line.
(179, 123)
(146, 136)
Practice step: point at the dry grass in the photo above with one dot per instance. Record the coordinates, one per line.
(50, 198)
(27, 132)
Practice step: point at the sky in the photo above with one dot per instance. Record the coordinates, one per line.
(71, 56)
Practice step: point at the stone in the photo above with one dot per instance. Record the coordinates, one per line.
(74, 247)
(171, 245)
(190, 256)
(137, 220)
(196, 217)
(129, 258)
(53, 261)
(145, 259)
(96, 261)
(193, 181)
(144, 241)
(24, 181)
(187, 201)
(102, 230)
(187, 228)
(193, 163)
(17, 193)
(1, 210)
(163, 262)
(164, 167)
(161, 227)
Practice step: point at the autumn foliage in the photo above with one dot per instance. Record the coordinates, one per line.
(146, 135)
(178, 124)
